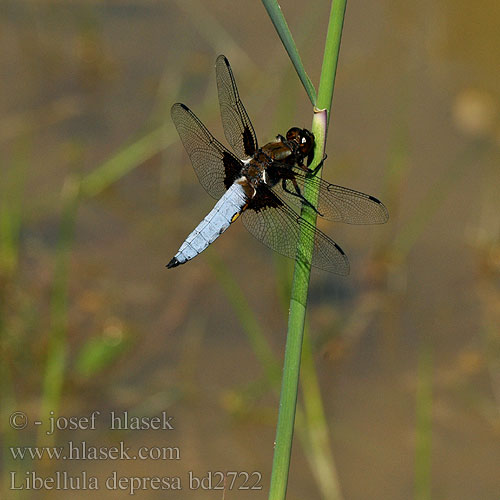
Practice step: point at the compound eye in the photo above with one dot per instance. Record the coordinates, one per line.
(293, 134)
(306, 142)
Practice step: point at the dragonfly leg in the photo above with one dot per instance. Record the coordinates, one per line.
(314, 171)
(299, 194)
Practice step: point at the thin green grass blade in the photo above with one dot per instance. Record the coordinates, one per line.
(126, 160)
(11, 209)
(11, 223)
(424, 424)
(281, 26)
(246, 317)
(10, 229)
(58, 342)
(323, 463)
(298, 301)
(97, 353)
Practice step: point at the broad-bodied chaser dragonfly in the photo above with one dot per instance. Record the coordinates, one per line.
(264, 185)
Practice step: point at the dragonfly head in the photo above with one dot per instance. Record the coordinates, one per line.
(303, 139)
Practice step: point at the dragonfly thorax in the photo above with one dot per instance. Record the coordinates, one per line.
(255, 170)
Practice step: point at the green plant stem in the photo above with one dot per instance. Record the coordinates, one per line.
(330, 58)
(300, 285)
(312, 427)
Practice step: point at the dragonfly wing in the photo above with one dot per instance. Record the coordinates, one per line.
(279, 227)
(237, 125)
(216, 167)
(336, 203)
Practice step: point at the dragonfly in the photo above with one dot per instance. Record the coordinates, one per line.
(264, 185)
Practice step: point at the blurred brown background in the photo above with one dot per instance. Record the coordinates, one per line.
(92, 320)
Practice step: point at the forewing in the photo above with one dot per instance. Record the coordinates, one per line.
(276, 225)
(337, 203)
(237, 125)
(215, 166)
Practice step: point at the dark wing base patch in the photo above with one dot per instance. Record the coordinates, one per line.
(232, 169)
(276, 225)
